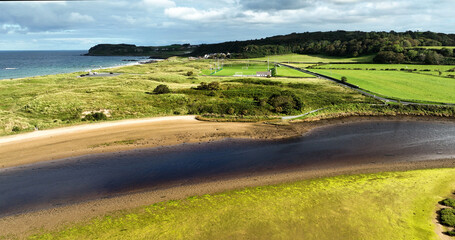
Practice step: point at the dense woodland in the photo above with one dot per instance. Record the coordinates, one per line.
(390, 47)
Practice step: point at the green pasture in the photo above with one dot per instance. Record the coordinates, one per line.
(282, 71)
(388, 67)
(398, 84)
(437, 70)
(231, 69)
(382, 206)
(313, 58)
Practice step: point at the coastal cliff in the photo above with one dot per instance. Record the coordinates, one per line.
(133, 50)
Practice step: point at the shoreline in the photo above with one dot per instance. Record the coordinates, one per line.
(117, 136)
(168, 131)
(123, 64)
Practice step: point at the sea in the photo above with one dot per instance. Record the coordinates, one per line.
(21, 64)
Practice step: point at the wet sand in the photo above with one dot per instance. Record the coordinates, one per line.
(48, 145)
(170, 132)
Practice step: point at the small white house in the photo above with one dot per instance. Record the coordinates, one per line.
(263, 74)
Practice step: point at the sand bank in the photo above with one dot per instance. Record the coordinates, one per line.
(145, 133)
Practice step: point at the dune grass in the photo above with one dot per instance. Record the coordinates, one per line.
(59, 100)
(313, 58)
(397, 205)
(399, 84)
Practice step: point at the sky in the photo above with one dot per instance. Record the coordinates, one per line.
(79, 25)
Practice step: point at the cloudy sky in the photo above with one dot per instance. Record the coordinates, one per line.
(47, 25)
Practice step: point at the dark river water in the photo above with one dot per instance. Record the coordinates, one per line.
(79, 179)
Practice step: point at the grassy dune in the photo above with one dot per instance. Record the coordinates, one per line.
(59, 100)
(313, 58)
(393, 206)
(398, 84)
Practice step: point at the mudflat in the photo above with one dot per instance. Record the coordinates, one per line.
(48, 145)
(119, 136)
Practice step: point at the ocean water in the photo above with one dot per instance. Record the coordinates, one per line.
(20, 64)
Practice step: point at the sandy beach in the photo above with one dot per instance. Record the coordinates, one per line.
(48, 145)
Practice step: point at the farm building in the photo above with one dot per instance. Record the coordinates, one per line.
(264, 74)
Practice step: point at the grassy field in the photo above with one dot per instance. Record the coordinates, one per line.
(282, 71)
(59, 100)
(231, 69)
(393, 206)
(383, 67)
(399, 84)
(313, 58)
(437, 70)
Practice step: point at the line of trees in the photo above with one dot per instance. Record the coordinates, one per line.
(390, 45)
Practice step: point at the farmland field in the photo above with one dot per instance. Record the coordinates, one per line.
(398, 205)
(437, 70)
(282, 71)
(313, 58)
(380, 67)
(398, 84)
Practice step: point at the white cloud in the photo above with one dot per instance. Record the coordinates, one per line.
(13, 28)
(77, 17)
(193, 14)
(158, 3)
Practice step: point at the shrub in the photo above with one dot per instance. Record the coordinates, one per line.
(214, 86)
(189, 73)
(344, 79)
(451, 233)
(285, 102)
(95, 116)
(161, 89)
(448, 202)
(273, 72)
(16, 129)
(262, 102)
(231, 111)
(256, 81)
(447, 217)
(211, 86)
